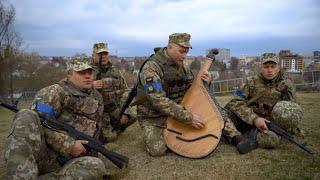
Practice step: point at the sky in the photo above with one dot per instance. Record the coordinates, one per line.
(134, 28)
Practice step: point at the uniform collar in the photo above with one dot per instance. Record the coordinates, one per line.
(74, 89)
(162, 52)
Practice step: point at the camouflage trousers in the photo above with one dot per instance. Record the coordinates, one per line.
(108, 133)
(266, 139)
(153, 134)
(28, 157)
(229, 129)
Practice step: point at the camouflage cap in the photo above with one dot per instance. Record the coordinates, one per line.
(100, 47)
(269, 57)
(182, 39)
(78, 64)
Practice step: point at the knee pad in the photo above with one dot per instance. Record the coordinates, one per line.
(268, 140)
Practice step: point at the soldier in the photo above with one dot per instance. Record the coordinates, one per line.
(111, 84)
(163, 81)
(267, 97)
(32, 150)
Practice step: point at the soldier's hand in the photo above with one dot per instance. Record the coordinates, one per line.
(78, 148)
(260, 123)
(283, 87)
(206, 77)
(197, 122)
(98, 84)
(124, 119)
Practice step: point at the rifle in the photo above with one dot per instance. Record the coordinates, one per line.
(116, 124)
(282, 133)
(93, 144)
(99, 74)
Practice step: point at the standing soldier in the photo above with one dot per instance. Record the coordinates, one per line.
(111, 84)
(163, 81)
(267, 97)
(33, 151)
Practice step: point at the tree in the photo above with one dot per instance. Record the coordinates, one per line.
(10, 43)
(234, 63)
(195, 65)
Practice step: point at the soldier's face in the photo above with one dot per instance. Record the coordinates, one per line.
(177, 53)
(270, 70)
(81, 79)
(104, 57)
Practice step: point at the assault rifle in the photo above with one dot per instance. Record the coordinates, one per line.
(99, 74)
(282, 133)
(116, 124)
(93, 144)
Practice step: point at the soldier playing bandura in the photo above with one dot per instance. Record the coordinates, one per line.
(163, 81)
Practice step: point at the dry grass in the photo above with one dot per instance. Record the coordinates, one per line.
(286, 162)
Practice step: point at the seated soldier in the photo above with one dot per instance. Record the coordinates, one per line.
(267, 97)
(114, 90)
(163, 81)
(32, 150)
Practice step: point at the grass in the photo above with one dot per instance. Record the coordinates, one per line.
(286, 162)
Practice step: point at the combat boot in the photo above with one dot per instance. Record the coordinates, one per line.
(246, 142)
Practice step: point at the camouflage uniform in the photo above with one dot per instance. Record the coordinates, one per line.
(32, 149)
(259, 98)
(114, 93)
(162, 83)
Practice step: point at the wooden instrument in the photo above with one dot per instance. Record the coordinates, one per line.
(186, 140)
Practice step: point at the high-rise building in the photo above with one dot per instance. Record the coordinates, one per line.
(316, 56)
(290, 62)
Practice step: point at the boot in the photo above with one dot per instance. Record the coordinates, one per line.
(246, 142)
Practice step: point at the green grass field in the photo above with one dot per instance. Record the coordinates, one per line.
(286, 162)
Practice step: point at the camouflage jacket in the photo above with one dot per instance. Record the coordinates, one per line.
(159, 103)
(260, 95)
(115, 90)
(81, 109)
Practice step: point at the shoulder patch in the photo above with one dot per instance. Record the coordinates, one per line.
(152, 86)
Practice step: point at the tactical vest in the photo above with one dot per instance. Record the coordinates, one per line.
(269, 94)
(113, 89)
(174, 82)
(82, 111)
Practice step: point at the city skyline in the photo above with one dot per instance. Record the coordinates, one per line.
(134, 28)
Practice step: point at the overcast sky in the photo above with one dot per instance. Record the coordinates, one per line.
(133, 28)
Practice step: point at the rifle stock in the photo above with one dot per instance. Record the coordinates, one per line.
(93, 144)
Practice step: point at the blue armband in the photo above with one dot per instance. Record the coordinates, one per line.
(45, 108)
(152, 87)
(239, 92)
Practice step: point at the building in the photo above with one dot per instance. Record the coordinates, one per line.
(190, 59)
(290, 62)
(307, 59)
(316, 56)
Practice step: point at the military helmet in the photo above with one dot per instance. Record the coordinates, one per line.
(287, 115)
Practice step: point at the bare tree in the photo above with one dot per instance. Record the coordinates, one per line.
(9, 47)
